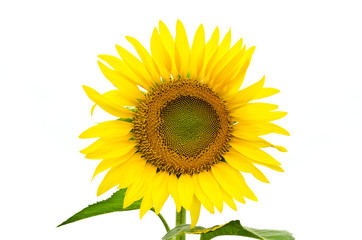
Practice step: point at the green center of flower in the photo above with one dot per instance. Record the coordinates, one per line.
(189, 125)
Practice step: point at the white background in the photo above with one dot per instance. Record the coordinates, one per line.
(310, 50)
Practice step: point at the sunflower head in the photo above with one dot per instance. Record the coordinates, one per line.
(192, 132)
(185, 131)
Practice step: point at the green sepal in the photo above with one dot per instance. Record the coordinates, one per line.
(112, 204)
(131, 108)
(125, 119)
(230, 228)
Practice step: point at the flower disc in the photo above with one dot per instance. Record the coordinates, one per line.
(182, 127)
(188, 125)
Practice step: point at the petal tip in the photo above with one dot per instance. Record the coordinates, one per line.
(129, 38)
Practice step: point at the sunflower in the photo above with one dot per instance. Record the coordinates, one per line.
(184, 128)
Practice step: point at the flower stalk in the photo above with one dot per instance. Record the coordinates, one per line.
(181, 219)
(163, 220)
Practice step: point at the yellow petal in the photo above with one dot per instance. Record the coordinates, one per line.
(210, 49)
(161, 56)
(169, 44)
(244, 130)
(253, 109)
(95, 145)
(249, 53)
(131, 169)
(185, 190)
(93, 107)
(160, 191)
(266, 92)
(252, 152)
(126, 89)
(232, 181)
(111, 150)
(124, 97)
(136, 66)
(245, 64)
(108, 105)
(233, 85)
(210, 65)
(225, 43)
(112, 162)
(215, 57)
(119, 97)
(195, 211)
(110, 180)
(104, 144)
(228, 59)
(235, 82)
(212, 44)
(241, 163)
(211, 189)
(182, 50)
(147, 203)
(271, 166)
(228, 199)
(257, 113)
(133, 192)
(124, 70)
(245, 95)
(222, 78)
(106, 129)
(121, 67)
(138, 188)
(226, 181)
(197, 53)
(146, 58)
(200, 194)
(115, 62)
(261, 143)
(274, 167)
(167, 38)
(172, 188)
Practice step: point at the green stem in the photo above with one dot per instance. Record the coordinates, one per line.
(163, 220)
(181, 219)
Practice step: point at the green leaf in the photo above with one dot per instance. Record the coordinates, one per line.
(235, 228)
(182, 228)
(272, 234)
(231, 228)
(112, 204)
